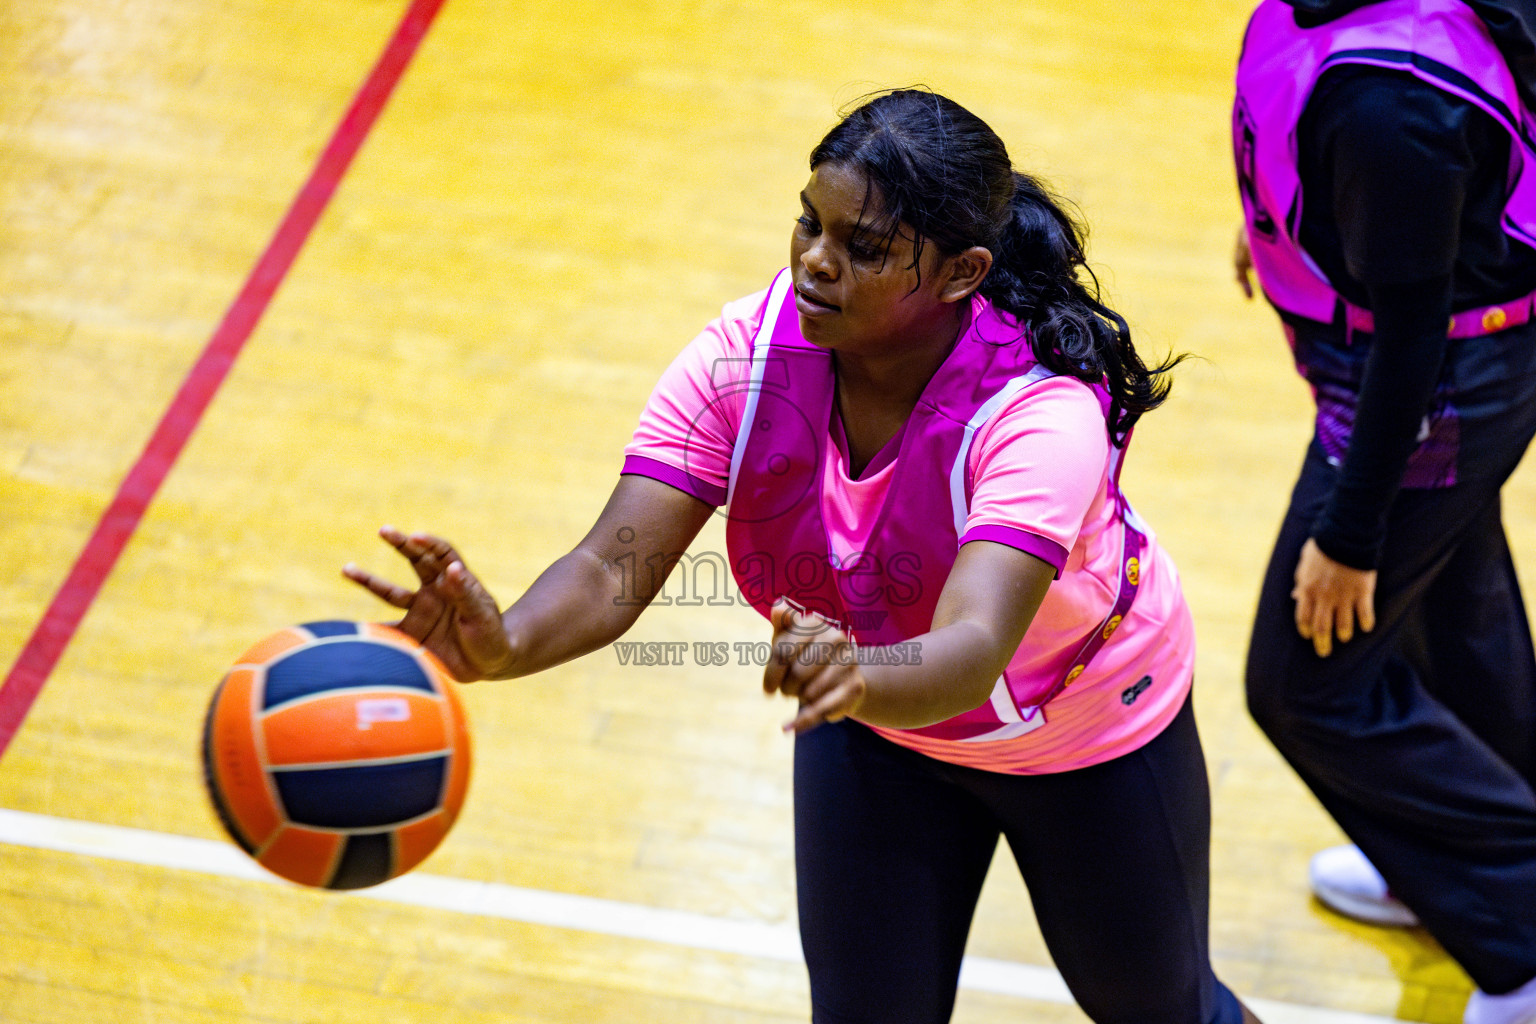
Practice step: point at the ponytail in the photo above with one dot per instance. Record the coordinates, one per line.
(1037, 275)
(942, 170)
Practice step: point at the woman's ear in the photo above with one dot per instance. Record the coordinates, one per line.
(967, 270)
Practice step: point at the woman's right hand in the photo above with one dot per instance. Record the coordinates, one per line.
(1242, 262)
(450, 614)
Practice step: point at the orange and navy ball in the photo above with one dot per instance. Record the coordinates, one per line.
(337, 753)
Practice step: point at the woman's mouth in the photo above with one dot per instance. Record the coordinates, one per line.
(810, 305)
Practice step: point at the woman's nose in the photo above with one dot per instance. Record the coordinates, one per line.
(817, 260)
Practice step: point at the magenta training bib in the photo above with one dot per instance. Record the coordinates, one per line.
(1442, 42)
(886, 593)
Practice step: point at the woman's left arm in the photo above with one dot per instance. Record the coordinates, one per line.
(987, 604)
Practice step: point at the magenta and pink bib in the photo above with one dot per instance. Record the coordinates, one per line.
(1441, 42)
(885, 593)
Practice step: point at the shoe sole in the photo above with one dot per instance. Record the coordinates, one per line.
(1364, 909)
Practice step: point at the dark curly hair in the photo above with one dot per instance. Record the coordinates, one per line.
(939, 169)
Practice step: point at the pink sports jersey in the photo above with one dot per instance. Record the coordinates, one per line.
(1038, 475)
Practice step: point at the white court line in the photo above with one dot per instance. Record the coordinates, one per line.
(555, 909)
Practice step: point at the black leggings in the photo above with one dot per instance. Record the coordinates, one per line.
(892, 847)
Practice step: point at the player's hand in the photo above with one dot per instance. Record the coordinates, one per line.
(1242, 261)
(1331, 599)
(450, 614)
(814, 662)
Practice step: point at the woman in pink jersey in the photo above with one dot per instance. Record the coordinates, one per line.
(917, 431)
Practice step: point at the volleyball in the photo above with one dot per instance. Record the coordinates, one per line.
(336, 753)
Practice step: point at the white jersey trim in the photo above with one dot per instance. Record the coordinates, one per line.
(774, 305)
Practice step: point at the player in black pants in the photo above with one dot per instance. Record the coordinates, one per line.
(1391, 661)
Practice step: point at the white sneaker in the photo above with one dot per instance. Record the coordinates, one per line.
(1517, 1007)
(1345, 881)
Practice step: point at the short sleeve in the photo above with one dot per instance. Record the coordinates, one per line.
(1038, 468)
(687, 431)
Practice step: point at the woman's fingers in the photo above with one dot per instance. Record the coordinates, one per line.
(428, 609)
(451, 613)
(832, 692)
(415, 549)
(834, 707)
(428, 555)
(1322, 633)
(783, 652)
(1303, 601)
(813, 661)
(1344, 623)
(1242, 262)
(469, 596)
(794, 634)
(381, 588)
(431, 558)
(1314, 621)
(1365, 610)
(780, 617)
(1322, 622)
(1332, 599)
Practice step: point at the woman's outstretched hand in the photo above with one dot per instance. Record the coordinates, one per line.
(815, 662)
(450, 614)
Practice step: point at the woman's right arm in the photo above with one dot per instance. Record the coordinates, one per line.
(588, 598)
(584, 601)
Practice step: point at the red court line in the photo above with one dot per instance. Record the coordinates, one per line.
(75, 596)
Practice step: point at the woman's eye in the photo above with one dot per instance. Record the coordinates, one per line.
(807, 223)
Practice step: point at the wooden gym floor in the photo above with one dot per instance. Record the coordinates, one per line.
(554, 200)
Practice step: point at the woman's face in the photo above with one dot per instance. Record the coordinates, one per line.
(852, 295)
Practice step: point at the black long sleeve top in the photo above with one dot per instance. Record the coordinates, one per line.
(1403, 188)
